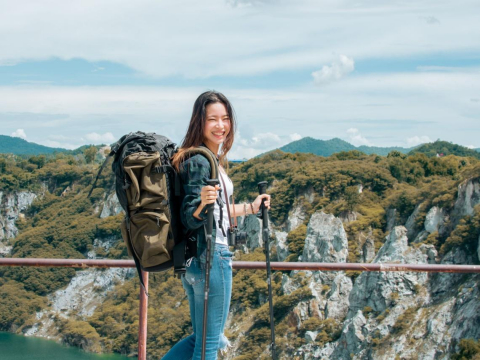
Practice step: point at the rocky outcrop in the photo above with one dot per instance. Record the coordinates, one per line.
(281, 245)
(379, 291)
(368, 249)
(391, 219)
(252, 225)
(111, 206)
(434, 221)
(296, 217)
(411, 224)
(468, 197)
(12, 207)
(326, 239)
(348, 216)
(478, 248)
(375, 289)
(79, 299)
(103, 245)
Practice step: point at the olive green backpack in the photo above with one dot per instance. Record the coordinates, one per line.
(149, 191)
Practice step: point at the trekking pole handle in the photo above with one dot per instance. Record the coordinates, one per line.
(210, 207)
(262, 189)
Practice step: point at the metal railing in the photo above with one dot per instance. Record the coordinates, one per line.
(142, 328)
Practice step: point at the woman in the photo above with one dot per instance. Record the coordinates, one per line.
(212, 125)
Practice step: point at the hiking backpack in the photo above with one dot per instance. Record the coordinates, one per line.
(149, 191)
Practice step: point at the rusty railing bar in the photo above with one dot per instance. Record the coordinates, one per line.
(105, 263)
(142, 326)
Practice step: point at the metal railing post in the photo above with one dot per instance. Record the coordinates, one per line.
(142, 320)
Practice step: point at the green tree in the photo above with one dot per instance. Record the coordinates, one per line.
(90, 154)
(352, 197)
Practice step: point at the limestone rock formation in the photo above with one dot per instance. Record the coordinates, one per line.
(281, 245)
(391, 219)
(348, 216)
(296, 217)
(252, 225)
(412, 228)
(12, 207)
(111, 206)
(434, 221)
(368, 249)
(468, 197)
(326, 239)
(79, 299)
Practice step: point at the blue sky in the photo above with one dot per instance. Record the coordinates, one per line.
(372, 73)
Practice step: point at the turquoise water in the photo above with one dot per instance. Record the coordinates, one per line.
(16, 347)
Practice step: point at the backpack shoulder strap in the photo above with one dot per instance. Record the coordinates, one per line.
(204, 151)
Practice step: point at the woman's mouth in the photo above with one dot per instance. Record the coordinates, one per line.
(219, 135)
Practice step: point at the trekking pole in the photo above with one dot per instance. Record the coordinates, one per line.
(208, 235)
(262, 189)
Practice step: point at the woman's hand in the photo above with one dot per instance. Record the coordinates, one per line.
(258, 202)
(208, 195)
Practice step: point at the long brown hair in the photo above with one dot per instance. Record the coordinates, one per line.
(194, 136)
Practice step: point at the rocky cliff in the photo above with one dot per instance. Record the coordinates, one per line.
(12, 208)
(385, 315)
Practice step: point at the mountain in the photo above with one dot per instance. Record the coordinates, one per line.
(446, 148)
(332, 146)
(403, 210)
(17, 146)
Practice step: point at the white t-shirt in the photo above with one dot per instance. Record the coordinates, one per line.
(220, 239)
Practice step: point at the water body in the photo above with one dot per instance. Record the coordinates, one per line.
(17, 347)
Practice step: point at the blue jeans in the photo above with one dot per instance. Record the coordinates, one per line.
(218, 307)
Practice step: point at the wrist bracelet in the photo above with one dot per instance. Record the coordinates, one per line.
(251, 206)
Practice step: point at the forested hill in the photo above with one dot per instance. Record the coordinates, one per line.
(336, 145)
(377, 193)
(17, 146)
(444, 148)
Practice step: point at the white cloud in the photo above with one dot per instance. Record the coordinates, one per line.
(261, 140)
(339, 68)
(470, 146)
(356, 138)
(388, 108)
(20, 133)
(295, 137)
(60, 144)
(244, 148)
(255, 39)
(417, 140)
(100, 138)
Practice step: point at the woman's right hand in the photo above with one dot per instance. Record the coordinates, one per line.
(209, 194)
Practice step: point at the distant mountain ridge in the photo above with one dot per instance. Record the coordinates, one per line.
(335, 145)
(17, 146)
(443, 148)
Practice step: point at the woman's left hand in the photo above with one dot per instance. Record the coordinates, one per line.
(258, 202)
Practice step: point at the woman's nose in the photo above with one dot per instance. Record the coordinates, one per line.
(220, 123)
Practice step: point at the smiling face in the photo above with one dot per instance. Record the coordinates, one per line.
(217, 126)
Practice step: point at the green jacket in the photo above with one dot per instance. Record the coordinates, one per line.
(194, 173)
